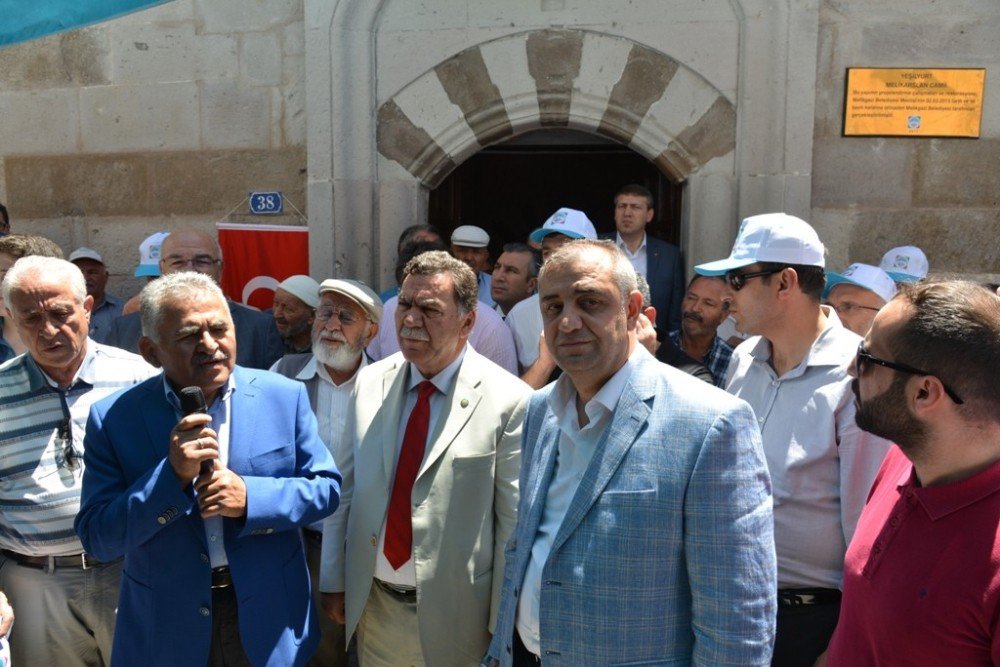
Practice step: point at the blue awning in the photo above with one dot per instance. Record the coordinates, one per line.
(21, 20)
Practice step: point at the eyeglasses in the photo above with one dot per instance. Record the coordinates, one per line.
(847, 308)
(198, 263)
(66, 455)
(346, 316)
(864, 357)
(738, 280)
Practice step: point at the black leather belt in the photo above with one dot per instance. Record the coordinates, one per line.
(221, 577)
(78, 561)
(401, 593)
(807, 597)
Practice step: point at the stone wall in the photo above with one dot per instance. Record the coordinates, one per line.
(170, 116)
(159, 119)
(870, 194)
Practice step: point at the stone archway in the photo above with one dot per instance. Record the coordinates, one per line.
(652, 103)
(741, 141)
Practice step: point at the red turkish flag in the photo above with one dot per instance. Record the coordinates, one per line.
(258, 257)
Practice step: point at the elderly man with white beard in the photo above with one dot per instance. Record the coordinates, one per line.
(346, 320)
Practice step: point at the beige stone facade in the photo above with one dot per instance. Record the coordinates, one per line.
(356, 109)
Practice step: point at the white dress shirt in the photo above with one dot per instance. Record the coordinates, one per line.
(822, 465)
(575, 450)
(525, 322)
(638, 258)
(444, 382)
(332, 404)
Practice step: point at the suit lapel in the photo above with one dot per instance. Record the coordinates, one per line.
(393, 395)
(542, 465)
(652, 260)
(629, 419)
(159, 418)
(456, 412)
(242, 422)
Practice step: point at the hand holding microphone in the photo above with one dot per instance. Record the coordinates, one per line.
(221, 492)
(193, 444)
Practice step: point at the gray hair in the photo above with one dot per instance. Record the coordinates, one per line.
(437, 261)
(169, 287)
(643, 287)
(622, 272)
(52, 268)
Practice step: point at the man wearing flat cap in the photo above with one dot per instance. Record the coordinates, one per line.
(106, 306)
(470, 244)
(347, 317)
(293, 308)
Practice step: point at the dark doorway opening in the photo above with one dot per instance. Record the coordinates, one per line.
(511, 188)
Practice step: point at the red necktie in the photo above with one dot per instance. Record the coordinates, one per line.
(399, 529)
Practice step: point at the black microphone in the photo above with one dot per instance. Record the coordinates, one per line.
(193, 401)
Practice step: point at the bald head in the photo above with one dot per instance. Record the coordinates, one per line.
(191, 250)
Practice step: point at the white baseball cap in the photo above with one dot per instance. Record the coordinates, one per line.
(303, 288)
(149, 255)
(906, 264)
(470, 236)
(770, 237)
(357, 291)
(86, 253)
(865, 276)
(568, 222)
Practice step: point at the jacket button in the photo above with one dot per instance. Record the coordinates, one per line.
(204, 558)
(161, 520)
(373, 540)
(204, 611)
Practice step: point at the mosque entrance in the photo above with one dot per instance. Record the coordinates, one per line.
(510, 188)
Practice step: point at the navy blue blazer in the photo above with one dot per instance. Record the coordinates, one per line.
(665, 275)
(133, 505)
(258, 343)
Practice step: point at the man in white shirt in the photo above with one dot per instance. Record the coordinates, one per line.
(347, 317)
(793, 371)
(525, 319)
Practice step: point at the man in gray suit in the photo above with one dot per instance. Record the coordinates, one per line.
(258, 343)
(644, 528)
(429, 501)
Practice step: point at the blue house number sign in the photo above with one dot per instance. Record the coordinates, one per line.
(266, 203)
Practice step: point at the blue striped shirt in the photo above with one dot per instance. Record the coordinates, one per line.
(41, 446)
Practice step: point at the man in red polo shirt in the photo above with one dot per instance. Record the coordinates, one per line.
(921, 576)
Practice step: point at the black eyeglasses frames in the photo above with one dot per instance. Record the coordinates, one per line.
(865, 357)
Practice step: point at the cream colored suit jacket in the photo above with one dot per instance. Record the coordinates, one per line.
(464, 502)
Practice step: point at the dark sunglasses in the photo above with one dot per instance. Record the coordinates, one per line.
(67, 456)
(738, 280)
(864, 357)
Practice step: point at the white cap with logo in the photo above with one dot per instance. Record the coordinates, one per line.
(770, 237)
(906, 264)
(568, 222)
(865, 276)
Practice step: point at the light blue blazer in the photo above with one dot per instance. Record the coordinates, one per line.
(133, 505)
(666, 553)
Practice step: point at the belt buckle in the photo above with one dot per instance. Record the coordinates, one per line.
(83, 561)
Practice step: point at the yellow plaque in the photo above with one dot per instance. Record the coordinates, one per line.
(902, 102)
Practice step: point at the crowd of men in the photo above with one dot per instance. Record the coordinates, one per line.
(570, 454)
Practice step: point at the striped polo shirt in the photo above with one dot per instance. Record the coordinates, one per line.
(41, 446)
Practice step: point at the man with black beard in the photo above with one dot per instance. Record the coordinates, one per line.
(922, 574)
(346, 320)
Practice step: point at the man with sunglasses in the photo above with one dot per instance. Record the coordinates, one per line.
(65, 599)
(793, 371)
(921, 577)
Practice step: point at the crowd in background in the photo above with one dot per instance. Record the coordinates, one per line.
(568, 453)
